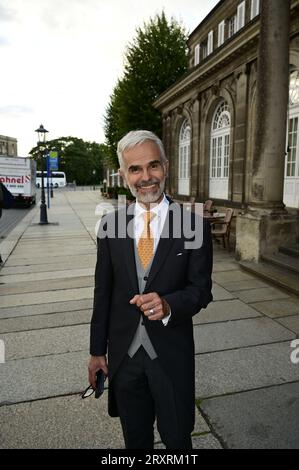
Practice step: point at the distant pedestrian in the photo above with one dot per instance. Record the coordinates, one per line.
(6, 202)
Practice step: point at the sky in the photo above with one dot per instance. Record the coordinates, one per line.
(60, 60)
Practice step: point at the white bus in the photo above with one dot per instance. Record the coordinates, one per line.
(57, 179)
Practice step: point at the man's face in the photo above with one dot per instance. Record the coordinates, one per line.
(144, 172)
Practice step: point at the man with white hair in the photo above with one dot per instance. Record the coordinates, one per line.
(148, 285)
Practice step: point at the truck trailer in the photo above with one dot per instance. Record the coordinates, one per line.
(18, 175)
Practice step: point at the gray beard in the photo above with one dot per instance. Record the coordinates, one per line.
(150, 197)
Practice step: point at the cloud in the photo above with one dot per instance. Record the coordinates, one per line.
(7, 16)
(13, 110)
(4, 41)
(6, 13)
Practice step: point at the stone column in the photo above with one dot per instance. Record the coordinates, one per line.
(267, 225)
(195, 148)
(167, 147)
(272, 102)
(239, 162)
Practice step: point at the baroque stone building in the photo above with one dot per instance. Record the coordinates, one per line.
(8, 146)
(209, 115)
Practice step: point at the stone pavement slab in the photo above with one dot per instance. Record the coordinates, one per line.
(229, 276)
(52, 247)
(278, 308)
(292, 323)
(244, 369)
(15, 300)
(207, 441)
(54, 261)
(51, 307)
(85, 262)
(225, 266)
(43, 257)
(238, 333)
(224, 311)
(43, 377)
(266, 293)
(40, 322)
(50, 275)
(221, 294)
(47, 285)
(259, 419)
(51, 341)
(61, 423)
(243, 285)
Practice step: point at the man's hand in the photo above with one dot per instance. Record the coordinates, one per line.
(96, 363)
(152, 305)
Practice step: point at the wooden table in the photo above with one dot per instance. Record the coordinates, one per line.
(216, 217)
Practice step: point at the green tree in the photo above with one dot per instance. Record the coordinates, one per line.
(77, 158)
(155, 59)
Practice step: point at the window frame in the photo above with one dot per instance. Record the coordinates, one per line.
(196, 54)
(241, 15)
(221, 28)
(210, 44)
(255, 9)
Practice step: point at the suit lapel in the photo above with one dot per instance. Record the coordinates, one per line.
(165, 243)
(129, 253)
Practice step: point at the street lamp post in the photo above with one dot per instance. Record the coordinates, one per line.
(94, 176)
(41, 132)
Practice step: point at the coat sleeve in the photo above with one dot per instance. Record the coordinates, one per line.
(102, 297)
(197, 292)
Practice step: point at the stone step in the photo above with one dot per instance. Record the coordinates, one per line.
(277, 275)
(284, 261)
(291, 249)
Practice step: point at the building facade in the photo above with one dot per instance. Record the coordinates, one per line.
(209, 115)
(8, 146)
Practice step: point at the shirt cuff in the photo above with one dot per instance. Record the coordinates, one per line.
(165, 320)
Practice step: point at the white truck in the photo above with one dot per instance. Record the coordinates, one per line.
(18, 175)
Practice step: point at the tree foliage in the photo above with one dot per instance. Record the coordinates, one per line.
(155, 59)
(77, 158)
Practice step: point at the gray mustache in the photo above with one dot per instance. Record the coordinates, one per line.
(148, 183)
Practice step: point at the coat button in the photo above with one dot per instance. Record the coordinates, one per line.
(145, 278)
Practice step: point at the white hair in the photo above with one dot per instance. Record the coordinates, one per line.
(133, 138)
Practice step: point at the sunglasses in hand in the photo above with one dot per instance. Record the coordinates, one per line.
(98, 391)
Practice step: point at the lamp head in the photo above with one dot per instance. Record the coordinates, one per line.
(41, 132)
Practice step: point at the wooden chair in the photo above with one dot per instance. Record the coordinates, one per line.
(221, 228)
(207, 205)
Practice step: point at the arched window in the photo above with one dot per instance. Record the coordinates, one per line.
(220, 149)
(291, 181)
(184, 159)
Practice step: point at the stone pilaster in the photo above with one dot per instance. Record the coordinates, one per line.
(272, 102)
(266, 224)
(195, 148)
(240, 135)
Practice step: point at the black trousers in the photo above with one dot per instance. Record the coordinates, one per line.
(143, 392)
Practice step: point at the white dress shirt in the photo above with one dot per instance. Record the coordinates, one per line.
(156, 225)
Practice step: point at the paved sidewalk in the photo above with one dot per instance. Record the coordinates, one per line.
(247, 388)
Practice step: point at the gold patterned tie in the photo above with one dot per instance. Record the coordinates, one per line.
(145, 246)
